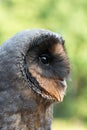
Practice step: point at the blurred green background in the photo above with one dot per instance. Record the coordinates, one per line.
(68, 18)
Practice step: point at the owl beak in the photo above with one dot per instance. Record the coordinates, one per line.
(62, 83)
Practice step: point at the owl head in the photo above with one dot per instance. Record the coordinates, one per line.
(43, 60)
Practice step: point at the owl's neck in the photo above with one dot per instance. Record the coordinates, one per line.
(26, 111)
(37, 117)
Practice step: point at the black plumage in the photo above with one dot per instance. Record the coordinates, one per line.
(33, 68)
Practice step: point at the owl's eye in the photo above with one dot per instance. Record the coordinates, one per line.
(45, 59)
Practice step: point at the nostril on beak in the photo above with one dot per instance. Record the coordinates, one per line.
(62, 82)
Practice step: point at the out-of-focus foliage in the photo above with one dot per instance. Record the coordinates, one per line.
(68, 18)
(59, 124)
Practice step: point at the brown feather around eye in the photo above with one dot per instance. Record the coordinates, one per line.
(33, 71)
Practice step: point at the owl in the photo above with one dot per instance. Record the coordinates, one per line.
(33, 69)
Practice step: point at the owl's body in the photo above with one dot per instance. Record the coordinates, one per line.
(25, 79)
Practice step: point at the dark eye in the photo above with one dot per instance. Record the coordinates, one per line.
(44, 58)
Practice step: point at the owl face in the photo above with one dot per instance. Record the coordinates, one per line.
(48, 66)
